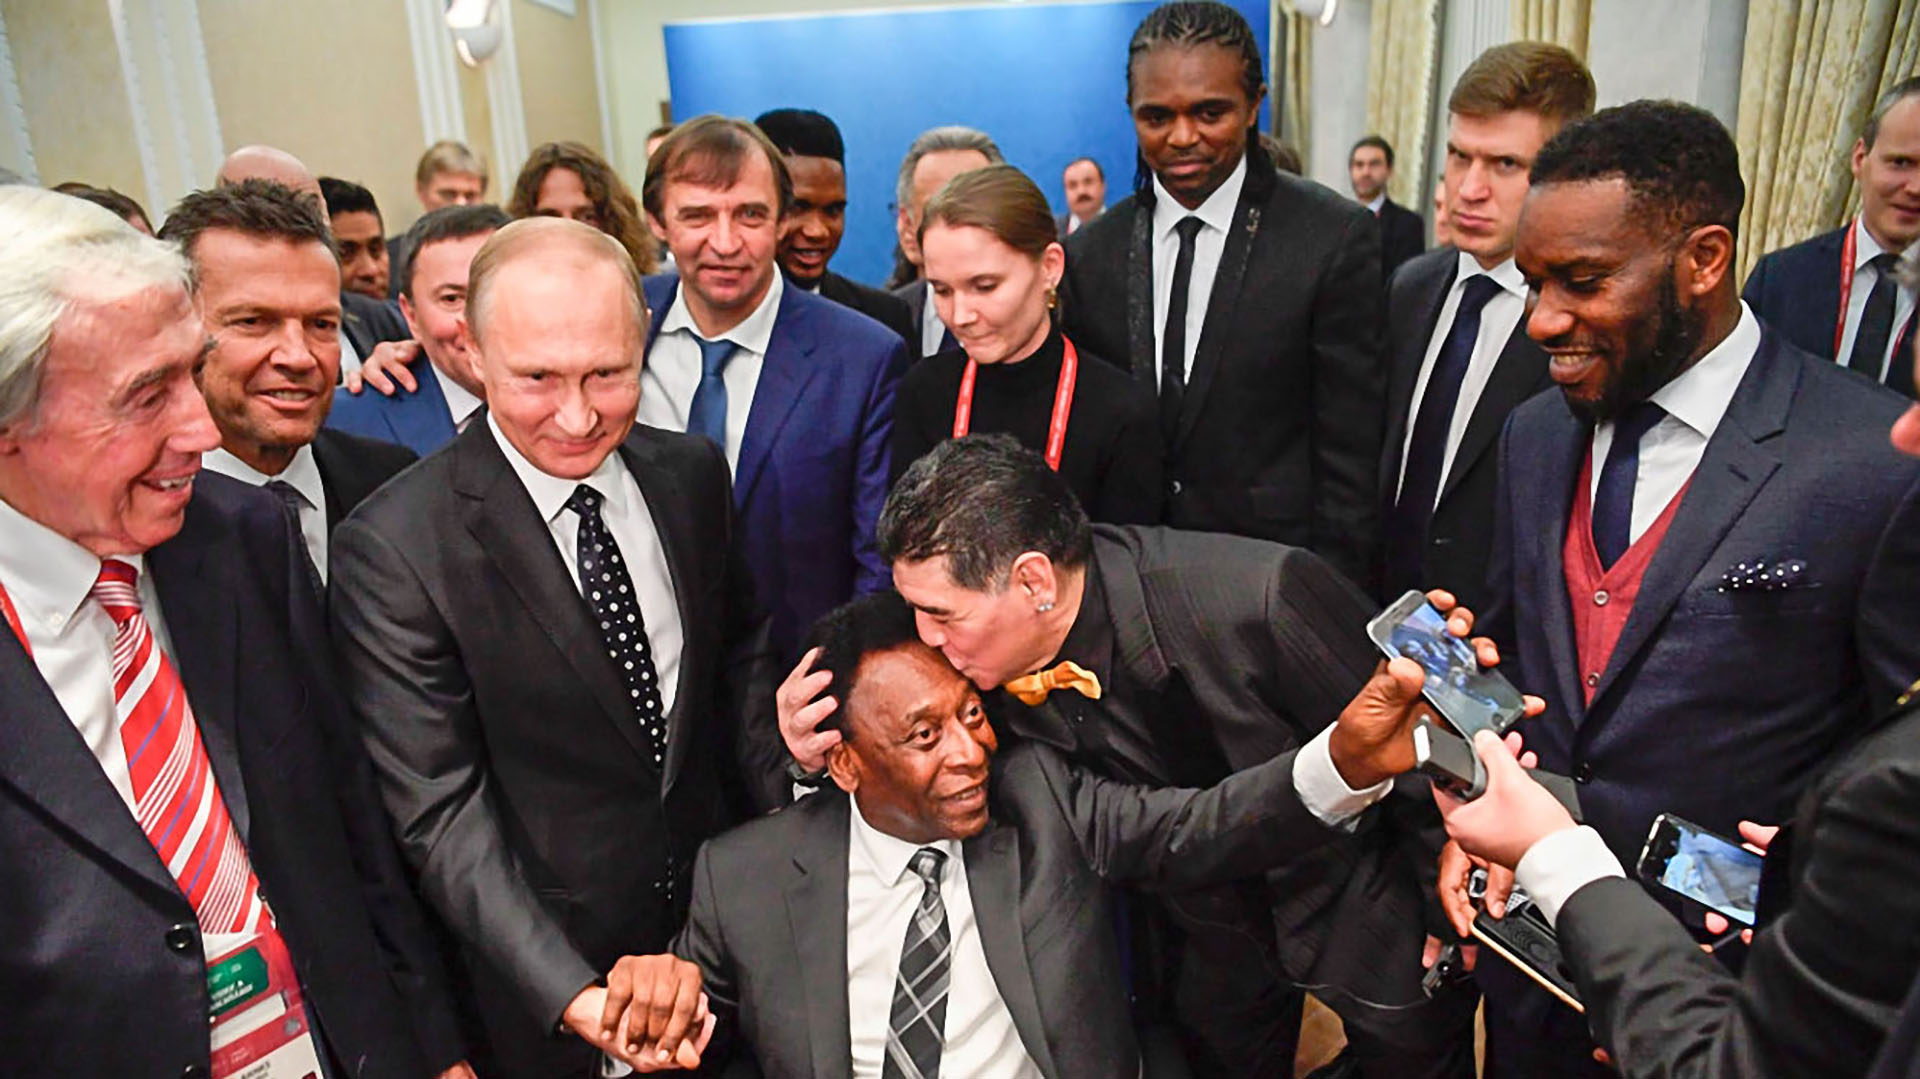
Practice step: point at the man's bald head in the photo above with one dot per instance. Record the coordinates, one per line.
(270, 163)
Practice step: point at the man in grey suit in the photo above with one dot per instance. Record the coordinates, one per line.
(887, 957)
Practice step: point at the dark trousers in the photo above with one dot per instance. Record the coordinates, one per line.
(1531, 1034)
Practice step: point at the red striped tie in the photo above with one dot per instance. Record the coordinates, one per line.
(176, 796)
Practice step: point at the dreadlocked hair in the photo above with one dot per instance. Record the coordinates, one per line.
(1186, 23)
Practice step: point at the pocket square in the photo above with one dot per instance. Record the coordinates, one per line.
(1763, 575)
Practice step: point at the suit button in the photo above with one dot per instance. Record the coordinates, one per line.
(180, 938)
(1583, 773)
(1600, 598)
(193, 1071)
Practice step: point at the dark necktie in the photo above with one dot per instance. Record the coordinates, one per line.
(616, 608)
(1876, 321)
(707, 415)
(293, 502)
(1427, 451)
(1613, 504)
(1173, 340)
(916, 1026)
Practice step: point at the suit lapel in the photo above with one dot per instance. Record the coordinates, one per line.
(1429, 296)
(666, 501)
(1140, 348)
(1519, 373)
(422, 415)
(784, 375)
(199, 601)
(817, 918)
(993, 882)
(1565, 449)
(1219, 322)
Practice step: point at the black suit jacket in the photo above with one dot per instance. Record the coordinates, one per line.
(1796, 290)
(367, 322)
(776, 972)
(1403, 235)
(1823, 983)
(883, 307)
(1461, 530)
(519, 783)
(1279, 431)
(352, 467)
(91, 912)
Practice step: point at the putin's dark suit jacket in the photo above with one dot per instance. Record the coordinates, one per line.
(417, 419)
(883, 307)
(1279, 431)
(813, 466)
(1718, 703)
(103, 969)
(1796, 290)
(1403, 235)
(1824, 982)
(351, 468)
(769, 921)
(1461, 529)
(519, 782)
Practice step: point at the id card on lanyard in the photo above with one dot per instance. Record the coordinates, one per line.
(1062, 403)
(1849, 247)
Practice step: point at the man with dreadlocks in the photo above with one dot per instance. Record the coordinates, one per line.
(1251, 301)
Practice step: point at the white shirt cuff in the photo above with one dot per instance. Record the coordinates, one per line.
(1323, 792)
(1562, 864)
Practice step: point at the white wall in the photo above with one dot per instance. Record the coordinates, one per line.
(1690, 51)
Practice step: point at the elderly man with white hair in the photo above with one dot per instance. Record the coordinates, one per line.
(197, 874)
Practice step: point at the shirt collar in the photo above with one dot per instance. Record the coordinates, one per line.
(1700, 396)
(1217, 211)
(1378, 201)
(1507, 275)
(301, 473)
(460, 401)
(887, 857)
(1865, 247)
(753, 333)
(550, 493)
(45, 572)
(1089, 641)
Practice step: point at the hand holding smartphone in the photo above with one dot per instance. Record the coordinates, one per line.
(1718, 873)
(1469, 697)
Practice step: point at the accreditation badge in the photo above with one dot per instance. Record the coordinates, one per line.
(260, 1026)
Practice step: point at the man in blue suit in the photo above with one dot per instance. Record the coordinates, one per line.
(1836, 295)
(1707, 555)
(797, 390)
(437, 391)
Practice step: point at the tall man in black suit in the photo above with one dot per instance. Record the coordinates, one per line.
(1202, 655)
(266, 283)
(1461, 358)
(163, 661)
(549, 645)
(1402, 233)
(1708, 556)
(811, 228)
(1000, 862)
(1837, 295)
(1249, 300)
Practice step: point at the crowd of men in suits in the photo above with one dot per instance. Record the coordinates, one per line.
(572, 693)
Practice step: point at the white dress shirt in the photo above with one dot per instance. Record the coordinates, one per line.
(461, 405)
(931, 328)
(1866, 248)
(1381, 200)
(624, 509)
(1695, 403)
(1497, 320)
(981, 1041)
(303, 475)
(350, 360)
(672, 371)
(1209, 244)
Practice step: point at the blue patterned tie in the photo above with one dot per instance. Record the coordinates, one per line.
(1613, 504)
(707, 415)
(916, 1027)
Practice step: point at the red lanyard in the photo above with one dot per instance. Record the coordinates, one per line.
(1848, 248)
(1062, 403)
(13, 620)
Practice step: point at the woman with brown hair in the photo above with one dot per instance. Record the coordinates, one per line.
(993, 258)
(566, 179)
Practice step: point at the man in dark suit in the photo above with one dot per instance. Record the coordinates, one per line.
(936, 156)
(1838, 295)
(1249, 300)
(550, 647)
(810, 231)
(1402, 232)
(1030, 980)
(1708, 554)
(796, 391)
(1085, 184)
(1459, 351)
(266, 284)
(433, 392)
(147, 607)
(1012, 583)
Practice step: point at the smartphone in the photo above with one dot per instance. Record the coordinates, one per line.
(1449, 761)
(1524, 939)
(1467, 696)
(1714, 871)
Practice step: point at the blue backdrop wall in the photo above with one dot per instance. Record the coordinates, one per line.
(1047, 81)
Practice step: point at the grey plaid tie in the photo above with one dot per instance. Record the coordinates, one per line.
(917, 1025)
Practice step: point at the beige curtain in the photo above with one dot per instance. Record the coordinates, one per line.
(1400, 70)
(1557, 22)
(1809, 76)
(1293, 121)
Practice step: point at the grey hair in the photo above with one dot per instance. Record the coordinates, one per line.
(950, 137)
(57, 251)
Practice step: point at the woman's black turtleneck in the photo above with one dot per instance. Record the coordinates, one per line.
(1112, 458)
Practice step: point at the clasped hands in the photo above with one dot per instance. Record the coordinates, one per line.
(651, 1014)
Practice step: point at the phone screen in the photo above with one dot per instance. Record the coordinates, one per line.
(1470, 698)
(1710, 870)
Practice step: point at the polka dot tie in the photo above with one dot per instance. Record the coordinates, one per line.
(616, 608)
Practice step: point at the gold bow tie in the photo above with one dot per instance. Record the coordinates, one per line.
(1032, 689)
